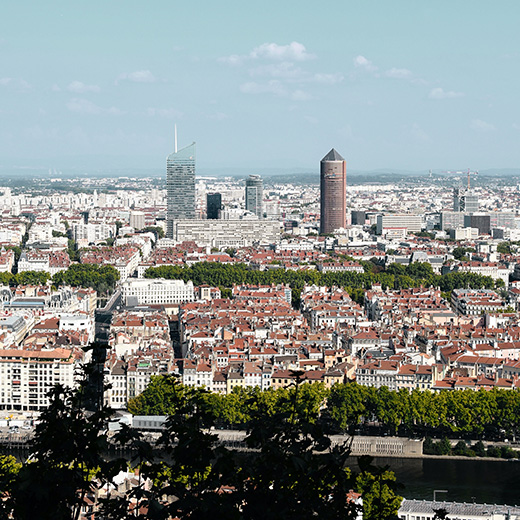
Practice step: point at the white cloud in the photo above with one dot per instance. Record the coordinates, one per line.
(364, 64)
(293, 51)
(481, 126)
(80, 88)
(83, 106)
(16, 83)
(399, 73)
(56, 88)
(281, 67)
(139, 76)
(361, 62)
(439, 93)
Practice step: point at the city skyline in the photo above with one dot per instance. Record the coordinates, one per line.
(394, 87)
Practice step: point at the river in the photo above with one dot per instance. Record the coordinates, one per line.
(492, 482)
(466, 480)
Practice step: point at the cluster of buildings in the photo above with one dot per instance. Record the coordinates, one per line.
(401, 339)
(410, 338)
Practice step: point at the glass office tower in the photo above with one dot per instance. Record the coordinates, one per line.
(255, 195)
(180, 186)
(213, 205)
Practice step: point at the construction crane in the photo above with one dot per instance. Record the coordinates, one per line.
(467, 172)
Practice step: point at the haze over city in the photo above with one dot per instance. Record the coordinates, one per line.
(403, 85)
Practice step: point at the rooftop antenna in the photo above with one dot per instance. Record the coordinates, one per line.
(175, 138)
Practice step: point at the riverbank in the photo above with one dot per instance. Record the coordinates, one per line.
(494, 481)
(443, 457)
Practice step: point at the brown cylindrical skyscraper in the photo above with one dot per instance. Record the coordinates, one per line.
(333, 192)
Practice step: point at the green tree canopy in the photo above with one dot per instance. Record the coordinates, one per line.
(102, 278)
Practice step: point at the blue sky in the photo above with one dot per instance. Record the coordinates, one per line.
(407, 84)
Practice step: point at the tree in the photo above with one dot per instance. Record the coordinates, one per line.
(422, 270)
(157, 230)
(459, 253)
(378, 488)
(31, 278)
(95, 276)
(461, 448)
(67, 451)
(72, 250)
(292, 471)
(479, 449)
(9, 470)
(346, 404)
(504, 248)
(6, 278)
(444, 447)
(296, 472)
(396, 269)
(160, 397)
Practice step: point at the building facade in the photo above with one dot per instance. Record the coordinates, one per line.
(227, 233)
(155, 292)
(137, 220)
(254, 195)
(180, 186)
(465, 200)
(27, 376)
(411, 223)
(333, 192)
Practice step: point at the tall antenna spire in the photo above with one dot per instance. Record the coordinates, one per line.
(175, 138)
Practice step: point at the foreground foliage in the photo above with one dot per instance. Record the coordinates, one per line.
(292, 470)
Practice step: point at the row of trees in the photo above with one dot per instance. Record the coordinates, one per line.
(291, 472)
(462, 449)
(102, 278)
(396, 277)
(466, 413)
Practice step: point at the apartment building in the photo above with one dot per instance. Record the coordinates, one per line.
(26, 376)
(227, 233)
(153, 292)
